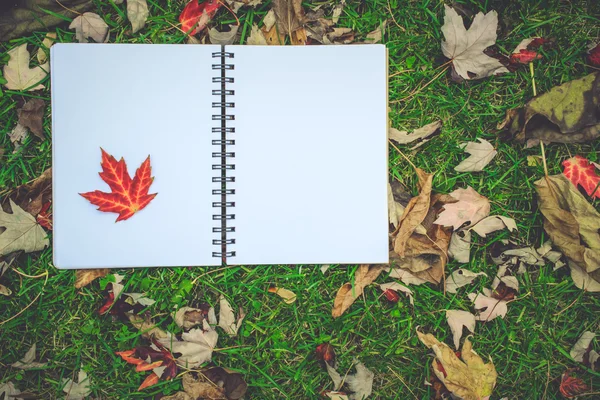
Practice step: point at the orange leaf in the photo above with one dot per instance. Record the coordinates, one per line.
(144, 366)
(129, 357)
(152, 379)
(580, 172)
(128, 195)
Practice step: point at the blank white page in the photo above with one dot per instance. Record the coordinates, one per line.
(133, 101)
(310, 154)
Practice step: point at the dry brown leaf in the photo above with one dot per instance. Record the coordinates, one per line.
(494, 223)
(582, 346)
(227, 319)
(573, 225)
(31, 115)
(145, 325)
(298, 37)
(415, 212)
(195, 347)
(32, 196)
(470, 209)
(288, 296)
(257, 37)
(44, 50)
(405, 276)
(376, 35)
(459, 278)
(223, 38)
(18, 74)
(469, 378)
(84, 277)
(422, 133)
(460, 246)
(27, 361)
(364, 276)
(273, 37)
(489, 307)
(457, 319)
(90, 25)
(480, 155)
(289, 15)
(188, 317)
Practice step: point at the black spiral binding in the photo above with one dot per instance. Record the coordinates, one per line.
(223, 144)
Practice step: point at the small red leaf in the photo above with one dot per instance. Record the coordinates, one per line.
(580, 172)
(571, 386)
(391, 295)
(110, 299)
(326, 353)
(152, 379)
(525, 56)
(197, 15)
(128, 195)
(594, 56)
(44, 218)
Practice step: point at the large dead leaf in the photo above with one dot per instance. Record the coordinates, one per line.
(465, 47)
(469, 378)
(27, 362)
(470, 209)
(364, 276)
(90, 25)
(84, 277)
(461, 277)
(137, 14)
(79, 390)
(568, 113)
(20, 231)
(573, 225)
(289, 15)
(30, 116)
(488, 307)
(17, 73)
(227, 319)
(421, 134)
(480, 155)
(415, 212)
(360, 384)
(195, 346)
(457, 320)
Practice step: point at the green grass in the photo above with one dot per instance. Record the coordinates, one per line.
(275, 348)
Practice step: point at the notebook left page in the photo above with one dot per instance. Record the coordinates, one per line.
(132, 101)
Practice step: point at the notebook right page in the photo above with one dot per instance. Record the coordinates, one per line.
(310, 154)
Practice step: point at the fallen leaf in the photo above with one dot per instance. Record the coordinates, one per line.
(188, 317)
(196, 15)
(8, 391)
(480, 155)
(559, 115)
(227, 319)
(415, 212)
(528, 255)
(582, 346)
(469, 378)
(21, 232)
(337, 11)
(403, 137)
(79, 390)
(488, 307)
(572, 224)
(232, 383)
(493, 223)
(461, 277)
(44, 50)
(84, 277)
(90, 26)
(30, 116)
(324, 268)
(223, 38)
(44, 218)
(17, 73)
(470, 209)
(594, 55)
(146, 326)
(465, 47)
(289, 15)
(364, 276)
(526, 51)
(269, 19)
(571, 386)
(27, 361)
(137, 14)
(457, 319)
(273, 37)
(359, 384)
(256, 38)
(128, 196)
(17, 136)
(460, 246)
(32, 196)
(396, 287)
(504, 286)
(405, 276)
(288, 296)
(339, 36)
(326, 354)
(155, 358)
(195, 346)
(580, 172)
(376, 35)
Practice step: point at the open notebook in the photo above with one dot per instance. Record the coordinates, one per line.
(260, 155)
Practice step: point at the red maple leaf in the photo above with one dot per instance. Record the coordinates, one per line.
(571, 386)
(326, 353)
(197, 15)
(525, 56)
(579, 171)
(44, 218)
(147, 358)
(594, 55)
(128, 195)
